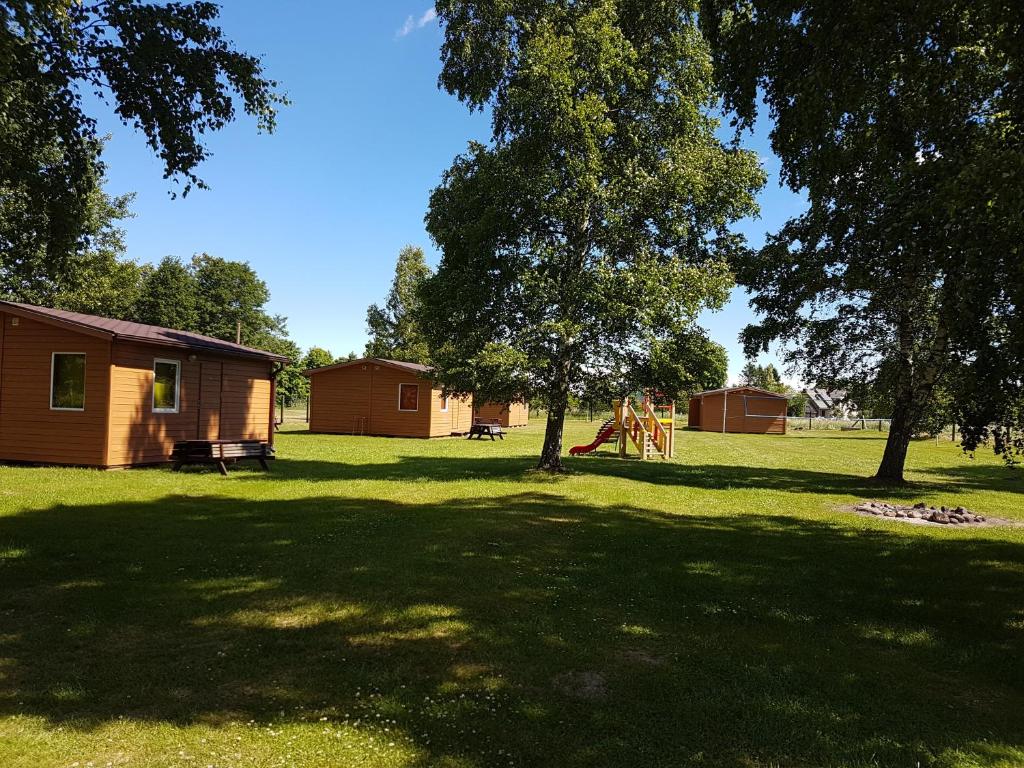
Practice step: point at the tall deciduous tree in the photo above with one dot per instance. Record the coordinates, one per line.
(763, 376)
(167, 296)
(231, 300)
(317, 357)
(394, 329)
(597, 218)
(226, 300)
(167, 69)
(909, 145)
(213, 296)
(683, 363)
(88, 275)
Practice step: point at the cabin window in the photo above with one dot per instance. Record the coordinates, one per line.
(166, 383)
(408, 397)
(444, 405)
(67, 381)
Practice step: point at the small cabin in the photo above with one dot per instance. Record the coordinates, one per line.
(739, 409)
(506, 414)
(90, 391)
(387, 398)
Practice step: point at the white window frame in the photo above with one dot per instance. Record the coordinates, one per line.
(177, 385)
(408, 410)
(53, 365)
(444, 404)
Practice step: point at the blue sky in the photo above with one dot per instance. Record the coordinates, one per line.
(321, 208)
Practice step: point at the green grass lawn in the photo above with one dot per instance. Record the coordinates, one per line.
(381, 602)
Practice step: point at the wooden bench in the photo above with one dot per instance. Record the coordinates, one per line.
(483, 427)
(221, 453)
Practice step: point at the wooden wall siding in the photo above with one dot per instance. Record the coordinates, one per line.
(440, 420)
(735, 418)
(462, 414)
(29, 430)
(239, 389)
(210, 373)
(137, 435)
(385, 418)
(693, 414)
(245, 400)
(363, 399)
(458, 418)
(508, 414)
(518, 414)
(339, 400)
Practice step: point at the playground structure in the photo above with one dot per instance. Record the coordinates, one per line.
(650, 433)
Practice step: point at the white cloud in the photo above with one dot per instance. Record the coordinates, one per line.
(413, 23)
(408, 27)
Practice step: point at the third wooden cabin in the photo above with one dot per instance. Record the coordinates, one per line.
(506, 414)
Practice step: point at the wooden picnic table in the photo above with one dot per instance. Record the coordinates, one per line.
(481, 428)
(220, 452)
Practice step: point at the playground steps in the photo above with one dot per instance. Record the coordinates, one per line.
(607, 423)
(650, 448)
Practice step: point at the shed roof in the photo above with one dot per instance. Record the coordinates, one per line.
(106, 327)
(765, 392)
(418, 368)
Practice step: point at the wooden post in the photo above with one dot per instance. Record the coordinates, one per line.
(623, 436)
(725, 408)
(274, 370)
(672, 431)
(238, 332)
(954, 432)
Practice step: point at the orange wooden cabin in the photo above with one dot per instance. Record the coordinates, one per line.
(739, 409)
(387, 398)
(85, 390)
(506, 414)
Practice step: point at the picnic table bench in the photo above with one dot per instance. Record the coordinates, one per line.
(220, 452)
(483, 427)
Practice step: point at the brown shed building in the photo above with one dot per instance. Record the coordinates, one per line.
(739, 409)
(381, 397)
(84, 390)
(506, 414)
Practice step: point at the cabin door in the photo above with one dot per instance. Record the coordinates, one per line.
(210, 377)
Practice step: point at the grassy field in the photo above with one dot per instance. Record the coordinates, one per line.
(380, 602)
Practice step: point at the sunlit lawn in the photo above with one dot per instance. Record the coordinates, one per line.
(408, 603)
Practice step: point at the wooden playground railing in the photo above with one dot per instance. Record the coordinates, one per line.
(663, 438)
(647, 431)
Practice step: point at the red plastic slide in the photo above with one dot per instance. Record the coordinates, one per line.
(602, 437)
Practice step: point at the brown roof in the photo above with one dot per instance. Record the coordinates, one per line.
(766, 392)
(418, 368)
(127, 331)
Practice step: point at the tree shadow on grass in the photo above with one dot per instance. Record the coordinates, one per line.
(700, 476)
(733, 640)
(981, 476)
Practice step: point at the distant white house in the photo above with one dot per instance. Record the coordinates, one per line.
(823, 403)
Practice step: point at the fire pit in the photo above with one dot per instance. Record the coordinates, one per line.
(922, 512)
